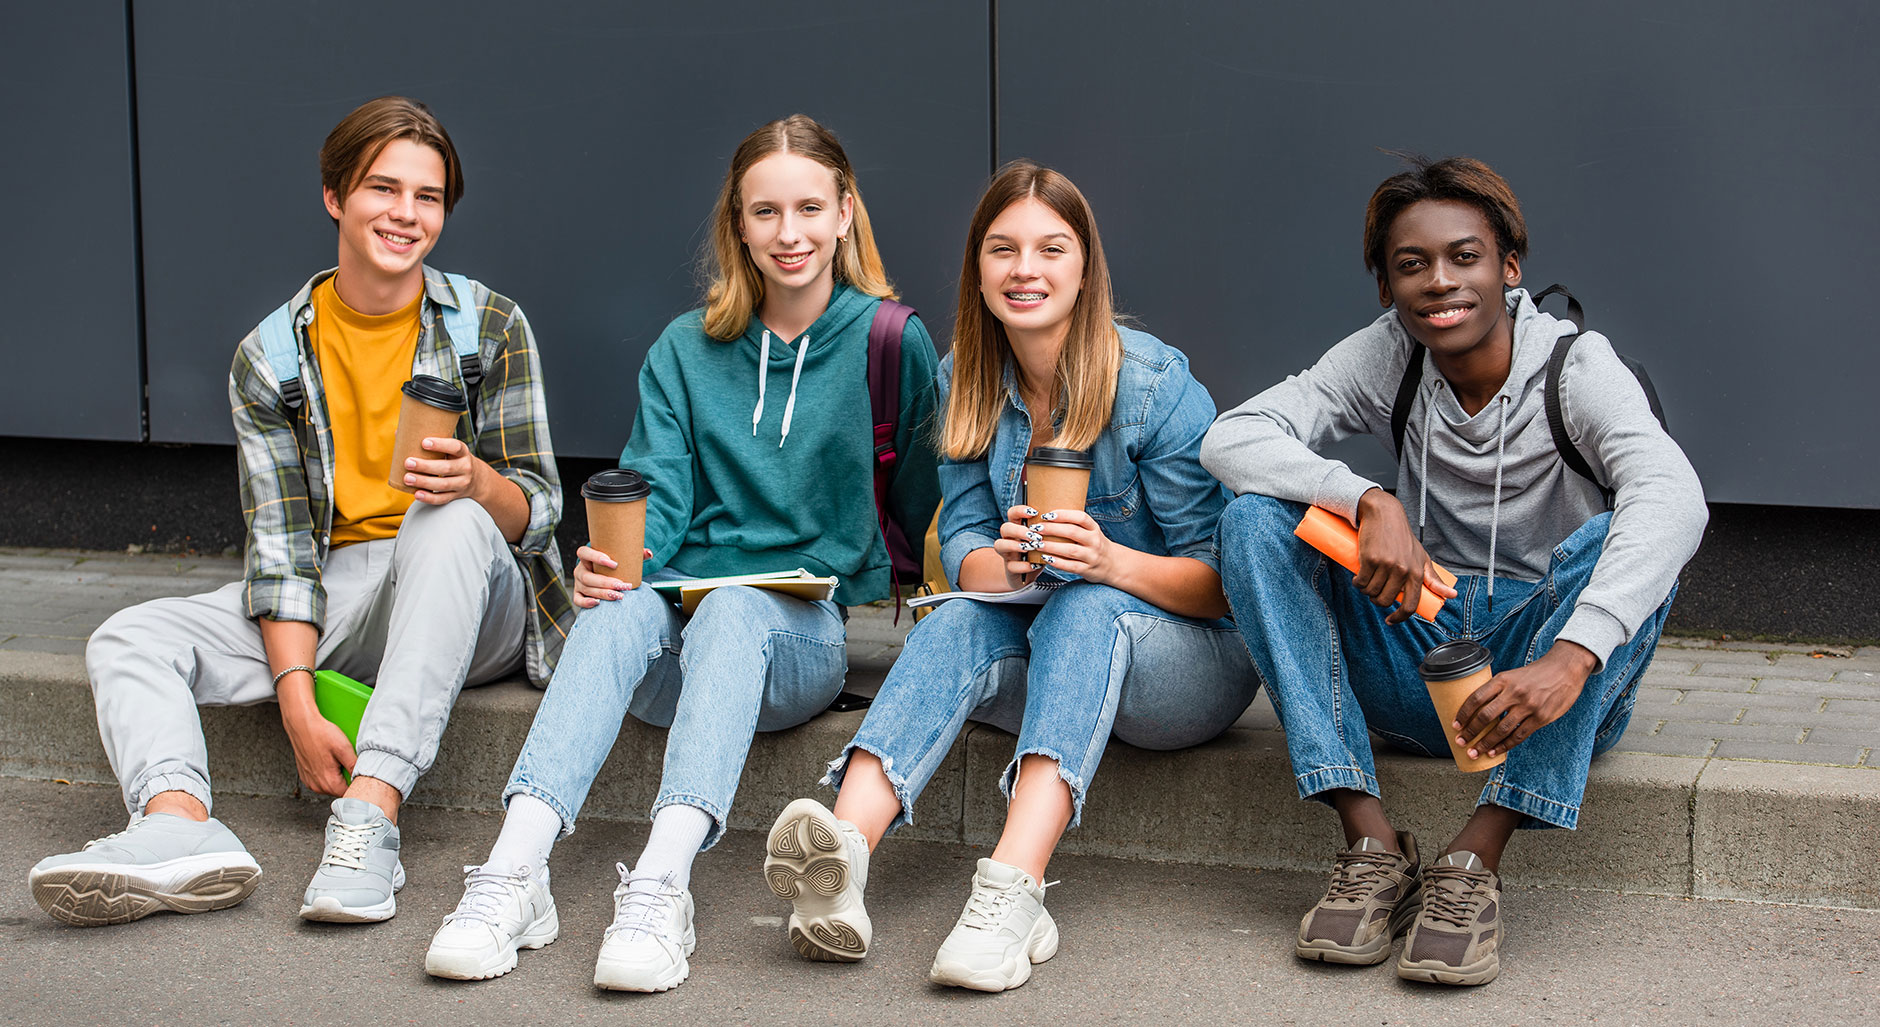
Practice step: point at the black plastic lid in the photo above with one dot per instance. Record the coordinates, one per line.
(1048, 456)
(1453, 660)
(616, 485)
(433, 391)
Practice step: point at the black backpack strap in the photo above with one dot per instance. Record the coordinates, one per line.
(1556, 417)
(1406, 396)
(1574, 313)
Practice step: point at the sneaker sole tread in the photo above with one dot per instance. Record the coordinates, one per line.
(89, 897)
(806, 864)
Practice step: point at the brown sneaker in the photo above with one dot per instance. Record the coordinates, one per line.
(1372, 898)
(1457, 935)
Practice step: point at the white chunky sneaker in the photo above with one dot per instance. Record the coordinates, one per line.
(359, 874)
(158, 862)
(1002, 932)
(501, 911)
(645, 949)
(820, 864)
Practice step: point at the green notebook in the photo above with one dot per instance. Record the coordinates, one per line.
(341, 700)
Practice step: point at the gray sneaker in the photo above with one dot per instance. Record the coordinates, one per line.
(160, 861)
(1372, 899)
(359, 872)
(1456, 938)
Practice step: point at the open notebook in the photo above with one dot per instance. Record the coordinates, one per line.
(687, 592)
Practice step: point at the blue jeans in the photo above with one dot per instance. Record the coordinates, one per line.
(1334, 669)
(1092, 659)
(748, 660)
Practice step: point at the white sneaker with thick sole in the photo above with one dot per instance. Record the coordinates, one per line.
(501, 911)
(158, 862)
(820, 864)
(645, 949)
(1002, 932)
(359, 875)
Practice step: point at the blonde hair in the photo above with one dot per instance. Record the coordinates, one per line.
(736, 285)
(1092, 356)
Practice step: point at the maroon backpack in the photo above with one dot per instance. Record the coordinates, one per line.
(884, 400)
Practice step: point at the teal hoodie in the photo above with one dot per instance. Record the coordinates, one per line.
(737, 496)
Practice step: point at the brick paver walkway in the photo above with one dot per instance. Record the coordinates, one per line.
(1734, 700)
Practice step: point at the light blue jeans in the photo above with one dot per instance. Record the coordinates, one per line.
(748, 660)
(1334, 669)
(1063, 676)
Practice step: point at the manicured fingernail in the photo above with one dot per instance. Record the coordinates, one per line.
(1052, 516)
(1029, 512)
(1033, 537)
(1026, 547)
(1051, 560)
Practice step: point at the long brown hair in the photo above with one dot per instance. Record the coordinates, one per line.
(736, 285)
(1092, 356)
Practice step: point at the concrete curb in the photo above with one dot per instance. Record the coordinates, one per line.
(1668, 825)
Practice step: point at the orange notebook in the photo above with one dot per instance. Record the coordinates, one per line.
(1334, 536)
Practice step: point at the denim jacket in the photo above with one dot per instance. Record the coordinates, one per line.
(1147, 489)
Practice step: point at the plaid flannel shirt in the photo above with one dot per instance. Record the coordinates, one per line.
(286, 462)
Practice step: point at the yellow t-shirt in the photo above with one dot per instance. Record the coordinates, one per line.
(364, 359)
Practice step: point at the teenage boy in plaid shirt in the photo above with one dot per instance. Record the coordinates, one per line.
(461, 586)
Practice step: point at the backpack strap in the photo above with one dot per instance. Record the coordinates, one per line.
(283, 352)
(463, 323)
(1406, 396)
(884, 381)
(1556, 417)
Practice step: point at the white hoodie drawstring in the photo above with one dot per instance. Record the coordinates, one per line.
(1494, 517)
(789, 405)
(763, 371)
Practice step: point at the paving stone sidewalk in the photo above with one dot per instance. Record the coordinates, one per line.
(1701, 697)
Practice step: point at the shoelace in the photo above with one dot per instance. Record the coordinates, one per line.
(348, 849)
(1350, 882)
(987, 907)
(115, 835)
(635, 911)
(484, 894)
(1449, 894)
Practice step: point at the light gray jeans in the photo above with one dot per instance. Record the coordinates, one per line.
(418, 616)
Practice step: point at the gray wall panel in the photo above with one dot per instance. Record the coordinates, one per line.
(68, 278)
(1700, 175)
(593, 140)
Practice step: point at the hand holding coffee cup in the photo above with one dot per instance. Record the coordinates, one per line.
(430, 409)
(1056, 480)
(616, 511)
(1453, 671)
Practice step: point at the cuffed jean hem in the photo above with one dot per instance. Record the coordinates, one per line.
(1539, 812)
(171, 778)
(839, 768)
(699, 803)
(389, 767)
(1326, 779)
(561, 808)
(1008, 781)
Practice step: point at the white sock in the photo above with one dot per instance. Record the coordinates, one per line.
(678, 831)
(529, 831)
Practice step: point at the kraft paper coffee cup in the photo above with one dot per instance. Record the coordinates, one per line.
(1055, 479)
(616, 511)
(429, 410)
(1453, 671)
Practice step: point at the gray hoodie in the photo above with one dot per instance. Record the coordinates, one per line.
(1487, 494)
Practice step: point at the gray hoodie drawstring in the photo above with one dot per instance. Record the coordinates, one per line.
(763, 373)
(1494, 517)
(1423, 465)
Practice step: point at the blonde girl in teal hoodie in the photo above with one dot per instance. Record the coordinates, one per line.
(754, 432)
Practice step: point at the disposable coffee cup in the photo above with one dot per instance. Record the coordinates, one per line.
(429, 410)
(616, 511)
(1453, 671)
(1055, 479)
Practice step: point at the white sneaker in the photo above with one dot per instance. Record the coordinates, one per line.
(820, 864)
(158, 862)
(645, 949)
(1002, 932)
(501, 911)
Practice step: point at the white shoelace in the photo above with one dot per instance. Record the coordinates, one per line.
(350, 843)
(485, 892)
(638, 911)
(115, 835)
(986, 908)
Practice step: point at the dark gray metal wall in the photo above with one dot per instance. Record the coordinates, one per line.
(594, 137)
(1701, 174)
(1697, 172)
(68, 275)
